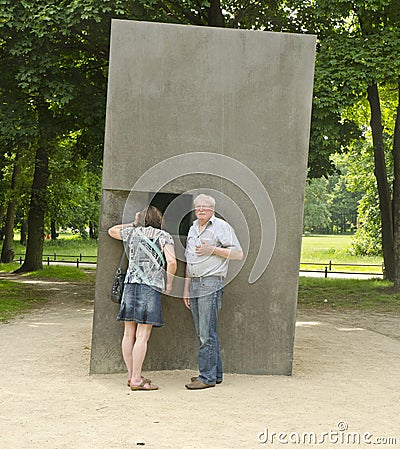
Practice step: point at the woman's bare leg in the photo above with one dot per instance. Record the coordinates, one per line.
(143, 333)
(128, 342)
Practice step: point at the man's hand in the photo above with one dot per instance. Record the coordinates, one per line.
(186, 291)
(186, 298)
(186, 301)
(205, 249)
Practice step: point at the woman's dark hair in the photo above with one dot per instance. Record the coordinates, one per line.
(150, 216)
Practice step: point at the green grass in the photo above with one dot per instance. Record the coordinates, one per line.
(329, 294)
(53, 272)
(61, 273)
(16, 298)
(8, 267)
(335, 248)
(67, 247)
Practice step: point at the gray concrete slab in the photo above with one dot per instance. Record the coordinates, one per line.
(238, 95)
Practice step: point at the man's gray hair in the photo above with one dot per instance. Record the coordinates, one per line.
(203, 197)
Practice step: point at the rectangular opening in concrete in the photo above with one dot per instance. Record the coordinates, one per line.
(176, 209)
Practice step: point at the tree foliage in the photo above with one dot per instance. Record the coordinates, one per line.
(330, 204)
(55, 81)
(358, 42)
(317, 214)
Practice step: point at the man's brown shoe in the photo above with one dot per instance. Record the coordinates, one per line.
(192, 379)
(198, 385)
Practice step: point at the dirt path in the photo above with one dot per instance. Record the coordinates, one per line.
(346, 373)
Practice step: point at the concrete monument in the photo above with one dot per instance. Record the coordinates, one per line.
(221, 111)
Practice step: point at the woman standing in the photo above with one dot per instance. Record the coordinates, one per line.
(150, 254)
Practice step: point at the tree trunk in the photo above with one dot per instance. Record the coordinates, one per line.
(385, 203)
(53, 230)
(2, 211)
(93, 233)
(7, 252)
(396, 194)
(215, 18)
(38, 202)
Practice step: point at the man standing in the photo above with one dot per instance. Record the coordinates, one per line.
(211, 243)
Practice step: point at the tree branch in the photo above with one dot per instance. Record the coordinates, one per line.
(194, 20)
(240, 14)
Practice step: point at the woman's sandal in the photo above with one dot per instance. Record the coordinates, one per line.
(141, 386)
(143, 378)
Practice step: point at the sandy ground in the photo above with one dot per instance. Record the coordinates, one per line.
(344, 391)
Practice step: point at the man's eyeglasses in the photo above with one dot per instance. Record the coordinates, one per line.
(203, 207)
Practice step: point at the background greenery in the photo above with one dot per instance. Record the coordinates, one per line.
(17, 297)
(53, 88)
(348, 294)
(337, 249)
(65, 247)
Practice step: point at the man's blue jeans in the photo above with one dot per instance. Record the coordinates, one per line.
(205, 304)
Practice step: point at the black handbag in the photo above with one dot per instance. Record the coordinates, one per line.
(118, 285)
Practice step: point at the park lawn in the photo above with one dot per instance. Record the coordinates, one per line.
(54, 272)
(16, 298)
(341, 294)
(61, 273)
(322, 249)
(67, 247)
(324, 246)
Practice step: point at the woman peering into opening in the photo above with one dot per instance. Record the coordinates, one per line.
(151, 269)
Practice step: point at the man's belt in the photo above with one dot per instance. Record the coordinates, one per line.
(200, 278)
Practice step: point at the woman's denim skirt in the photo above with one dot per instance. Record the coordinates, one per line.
(141, 304)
